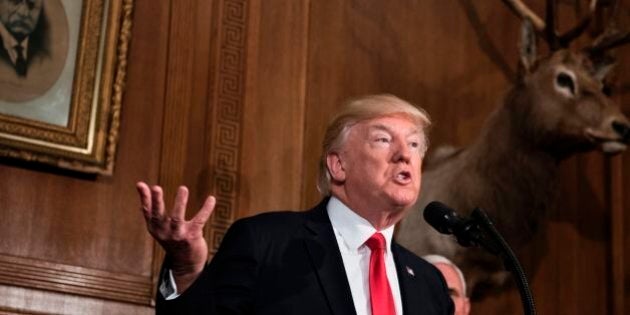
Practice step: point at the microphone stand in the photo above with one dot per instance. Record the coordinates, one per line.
(498, 246)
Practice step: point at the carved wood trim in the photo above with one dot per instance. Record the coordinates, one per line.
(226, 121)
(16, 311)
(32, 273)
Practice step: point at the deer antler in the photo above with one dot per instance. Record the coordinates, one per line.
(608, 40)
(547, 28)
(566, 38)
(550, 29)
(611, 37)
(523, 11)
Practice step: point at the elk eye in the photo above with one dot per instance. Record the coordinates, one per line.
(565, 81)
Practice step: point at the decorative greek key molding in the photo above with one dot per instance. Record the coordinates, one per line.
(227, 118)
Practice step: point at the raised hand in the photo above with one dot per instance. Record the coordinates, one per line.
(182, 240)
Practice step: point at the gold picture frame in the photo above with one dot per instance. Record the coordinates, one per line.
(68, 118)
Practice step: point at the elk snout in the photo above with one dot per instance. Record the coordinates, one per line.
(623, 129)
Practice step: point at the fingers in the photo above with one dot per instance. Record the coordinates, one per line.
(205, 211)
(157, 201)
(152, 203)
(181, 199)
(145, 198)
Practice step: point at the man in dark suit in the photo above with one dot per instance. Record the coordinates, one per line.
(454, 280)
(22, 31)
(337, 258)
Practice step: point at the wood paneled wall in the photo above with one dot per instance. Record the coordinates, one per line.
(231, 97)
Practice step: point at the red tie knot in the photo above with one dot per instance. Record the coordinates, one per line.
(376, 241)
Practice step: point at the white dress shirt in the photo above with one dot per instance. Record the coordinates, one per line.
(351, 232)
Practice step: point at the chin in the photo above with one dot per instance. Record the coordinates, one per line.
(404, 202)
(407, 194)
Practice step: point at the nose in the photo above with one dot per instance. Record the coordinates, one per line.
(623, 129)
(21, 11)
(403, 153)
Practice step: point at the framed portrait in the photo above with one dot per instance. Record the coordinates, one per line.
(62, 74)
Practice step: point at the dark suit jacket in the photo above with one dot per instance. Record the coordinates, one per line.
(289, 263)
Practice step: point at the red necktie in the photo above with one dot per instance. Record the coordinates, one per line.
(380, 292)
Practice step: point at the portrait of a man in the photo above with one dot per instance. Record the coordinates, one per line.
(61, 77)
(36, 58)
(23, 29)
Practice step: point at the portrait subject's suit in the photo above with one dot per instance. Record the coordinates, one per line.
(37, 45)
(290, 263)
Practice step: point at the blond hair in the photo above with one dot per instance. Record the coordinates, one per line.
(361, 109)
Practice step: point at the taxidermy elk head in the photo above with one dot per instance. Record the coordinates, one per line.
(565, 94)
(558, 107)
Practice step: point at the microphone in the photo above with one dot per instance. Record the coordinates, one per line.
(479, 230)
(446, 221)
(442, 218)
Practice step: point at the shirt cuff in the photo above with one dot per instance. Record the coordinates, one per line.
(167, 287)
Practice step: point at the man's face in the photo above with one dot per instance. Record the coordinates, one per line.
(20, 16)
(381, 159)
(455, 288)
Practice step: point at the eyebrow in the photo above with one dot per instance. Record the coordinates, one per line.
(386, 128)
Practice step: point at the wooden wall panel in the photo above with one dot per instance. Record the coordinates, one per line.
(273, 118)
(620, 179)
(421, 51)
(229, 66)
(185, 127)
(455, 59)
(232, 97)
(34, 302)
(84, 235)
(186, 110)
(621, 220)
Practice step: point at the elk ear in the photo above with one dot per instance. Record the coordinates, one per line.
(602, 66)
(527, 46)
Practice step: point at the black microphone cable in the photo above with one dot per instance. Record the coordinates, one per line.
(480, 231)
(510, 261)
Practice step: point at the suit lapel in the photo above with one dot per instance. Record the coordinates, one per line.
(406, 280)
(4, 55)
(325, 257)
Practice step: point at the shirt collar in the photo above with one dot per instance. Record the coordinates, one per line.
(353, 229)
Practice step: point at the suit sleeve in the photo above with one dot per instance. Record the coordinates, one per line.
(228, 283)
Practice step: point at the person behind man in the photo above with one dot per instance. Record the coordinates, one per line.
(337, 258)
(454, 280)
(21, 36)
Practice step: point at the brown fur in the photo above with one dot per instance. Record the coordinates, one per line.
(510, 170)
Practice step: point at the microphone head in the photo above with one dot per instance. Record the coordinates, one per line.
(442, 218)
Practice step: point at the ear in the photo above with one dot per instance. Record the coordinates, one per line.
(466, 306)
(602, 68)
(335, 167)
(527, 47)
(601, 62)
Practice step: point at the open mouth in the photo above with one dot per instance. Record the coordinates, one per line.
(613, 147)
(403, 177)
(608, 145)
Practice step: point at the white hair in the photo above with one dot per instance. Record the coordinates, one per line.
(438, 259)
